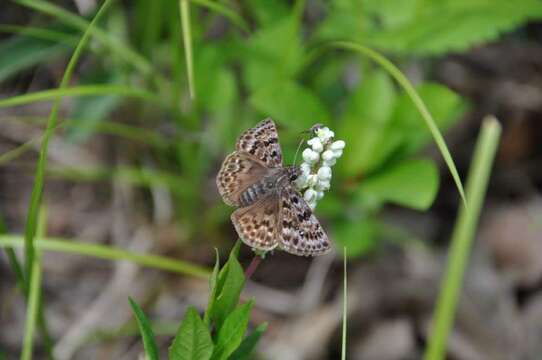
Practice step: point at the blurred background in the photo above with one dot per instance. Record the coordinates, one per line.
(133, 160)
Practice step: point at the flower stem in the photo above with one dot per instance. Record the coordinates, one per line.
(256, 260)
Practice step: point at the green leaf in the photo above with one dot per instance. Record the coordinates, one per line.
(290, 104)
(367, 114)
(193, 340)
(359, 237)
(231, 280)
(212, 293)
(149, 344)
(446, 106)
(249, 343)
(412, 183)
(440, 27)
(231, 333)
(274, 53)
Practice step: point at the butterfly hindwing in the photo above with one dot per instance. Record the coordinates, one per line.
(300, 233)
(238, 172)
(257, 223)
(262, 142)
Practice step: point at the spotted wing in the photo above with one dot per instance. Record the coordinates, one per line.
(238, 171)
(262, 142)
(257, 223)
(300, 233)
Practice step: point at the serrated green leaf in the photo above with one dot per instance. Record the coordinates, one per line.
(361, 127)
(149, 344)
(412, 183)
(444, 26)
(249, 343)
(231, 280)
(231, 333)
(212, 290)
(290, 104)
(193, 340)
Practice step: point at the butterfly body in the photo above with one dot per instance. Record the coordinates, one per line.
(268, 185)
(271, 213)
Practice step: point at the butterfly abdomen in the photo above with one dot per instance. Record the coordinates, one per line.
(254, 193)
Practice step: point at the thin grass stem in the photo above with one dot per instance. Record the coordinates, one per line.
(184, 7)
(345, 307)
(32, 307)
(37, 189)
(462, 237)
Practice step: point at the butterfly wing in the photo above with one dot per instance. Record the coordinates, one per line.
(300, 233)
(238, 172)
(257, 224)
(262, 142)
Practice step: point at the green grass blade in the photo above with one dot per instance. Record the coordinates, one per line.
(32, 308)
(411, 92)
(184, 8)
(21, 284)
(85, 90)
(37, 189)
(112, 43)
(222, 9)
(109, 253)
(149, 343)
(40, 33)
(464, 231)
(345, 307)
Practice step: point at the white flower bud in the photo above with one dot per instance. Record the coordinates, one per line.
(310, 195)
(310, 156)
(305, 169)
(325, 134)
(319, 195)
(324, 173)
(323, 185)
(337, 153)
(337, 145)
(301, 181)
(311, 180)
(328, 155)
(316, 144)
(312, 204)
(329, 163)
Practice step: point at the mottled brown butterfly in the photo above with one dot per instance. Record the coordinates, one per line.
(272, 213)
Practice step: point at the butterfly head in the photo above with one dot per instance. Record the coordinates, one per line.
(293, 172)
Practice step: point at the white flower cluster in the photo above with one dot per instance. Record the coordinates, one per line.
(317, 162)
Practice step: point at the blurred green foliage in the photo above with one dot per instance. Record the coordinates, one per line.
(253, 59)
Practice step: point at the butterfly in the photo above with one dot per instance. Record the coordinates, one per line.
(272, 213)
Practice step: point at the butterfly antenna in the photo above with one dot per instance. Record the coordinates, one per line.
(298, 147)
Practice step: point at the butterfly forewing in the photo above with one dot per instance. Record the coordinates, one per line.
(257, 223)
(262, 142)
(238, 172)
(300, 233)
